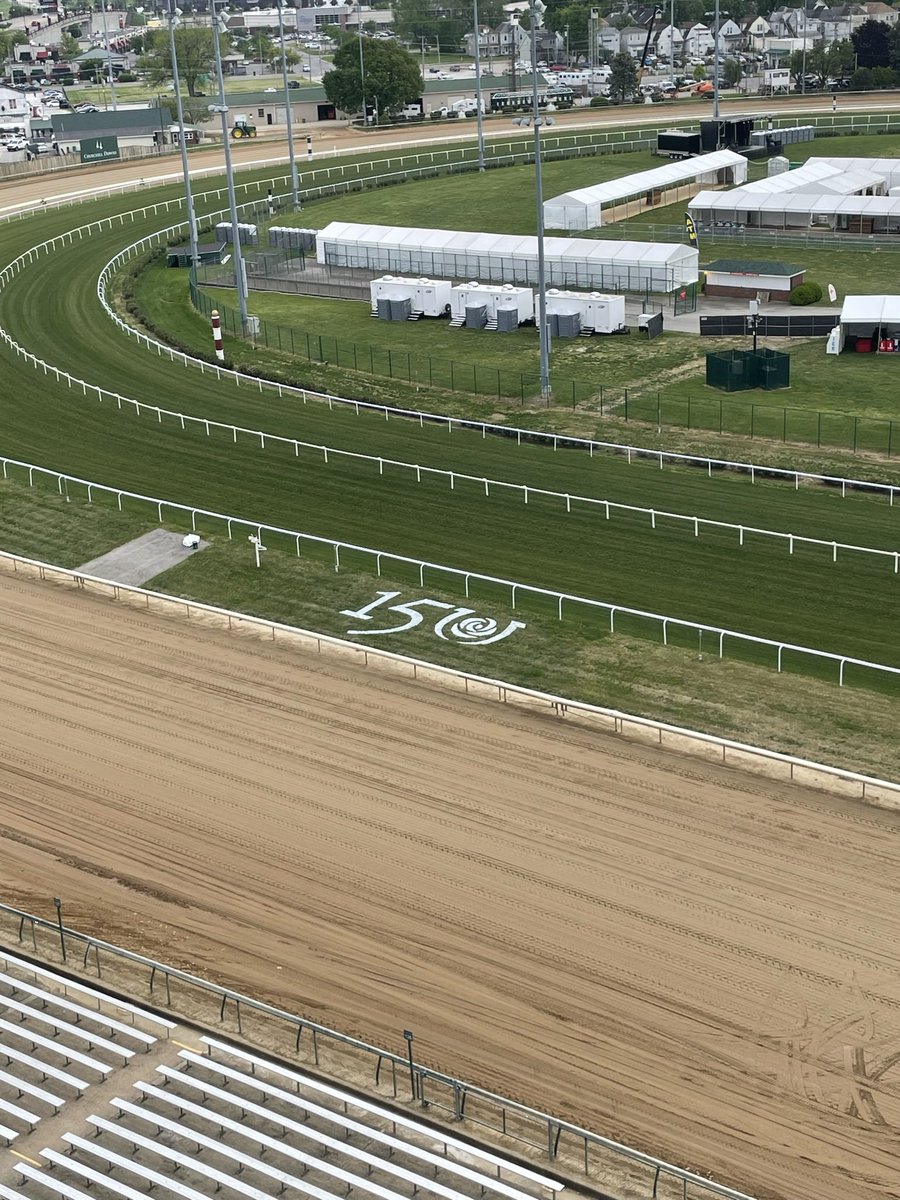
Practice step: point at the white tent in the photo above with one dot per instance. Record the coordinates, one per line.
(509, 258)
(874, 321)
(582, 208)
(796, 210)
(887, 168)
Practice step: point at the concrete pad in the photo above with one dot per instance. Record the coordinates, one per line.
(140, 560)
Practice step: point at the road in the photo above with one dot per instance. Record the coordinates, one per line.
(699, 962)
(20, 193)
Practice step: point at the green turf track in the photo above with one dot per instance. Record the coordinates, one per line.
(52, 308)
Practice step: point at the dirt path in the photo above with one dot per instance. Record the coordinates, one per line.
(696, 961)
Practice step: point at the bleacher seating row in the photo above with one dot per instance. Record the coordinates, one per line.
(215, 1118)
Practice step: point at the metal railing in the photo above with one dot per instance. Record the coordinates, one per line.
(445, 1097)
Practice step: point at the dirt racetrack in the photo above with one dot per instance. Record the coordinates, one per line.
(697, 961)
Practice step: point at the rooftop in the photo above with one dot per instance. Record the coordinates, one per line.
(752, 266)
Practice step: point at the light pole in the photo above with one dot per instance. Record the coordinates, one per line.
(221, 108)
(537, 9)
(716, 67)
(479, 114)
(362, 62)
(672, 41)
(172, 14)
(295, 187)
(109, 70)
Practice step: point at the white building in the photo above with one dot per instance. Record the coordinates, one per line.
(13, 104)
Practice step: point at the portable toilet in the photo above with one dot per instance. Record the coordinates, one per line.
(428, 297)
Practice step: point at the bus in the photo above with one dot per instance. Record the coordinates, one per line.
(559, 97)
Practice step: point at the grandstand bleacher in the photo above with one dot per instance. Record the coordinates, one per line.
(99, 1098)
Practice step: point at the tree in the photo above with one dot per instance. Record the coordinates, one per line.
(8, 39)
(623, 79)
(871, 43)
(16, 10)
(196, 55)
(392, 77)
(68, 47)
(447, 21)
(93, 69)
(732, 72)
(699, 73)
(74, 31)
(884, 77)
(862, 80)
(842, 58)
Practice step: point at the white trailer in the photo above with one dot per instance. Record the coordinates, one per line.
(492, 297)
(597, 312)
(429, 297)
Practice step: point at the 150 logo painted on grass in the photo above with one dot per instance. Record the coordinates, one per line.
(459, 624)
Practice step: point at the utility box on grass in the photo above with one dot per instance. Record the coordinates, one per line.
(741, 370)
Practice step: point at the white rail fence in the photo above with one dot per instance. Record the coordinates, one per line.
(806, 772)
(563, 602)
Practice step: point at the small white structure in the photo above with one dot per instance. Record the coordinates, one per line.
(871, 324)
(516, 304)
(428, 297)
(596, 312)
(583, 208)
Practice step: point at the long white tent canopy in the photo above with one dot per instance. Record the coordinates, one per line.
(887, 168)
(871, 317)
(582, 208)
(797, 210)
(509, 258)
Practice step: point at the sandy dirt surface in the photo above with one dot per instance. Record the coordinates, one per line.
(699, 962)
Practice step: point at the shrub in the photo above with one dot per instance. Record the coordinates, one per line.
(126, 77)
(806, 293)
(599, 102)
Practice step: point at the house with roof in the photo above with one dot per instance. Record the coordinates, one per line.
(698, 41)
(756, 31)
(608, 38)
(13, 104)
(506, 38)
(134, 127)
(729, 35)
(632, 40)
(881, 12)
(670, 43)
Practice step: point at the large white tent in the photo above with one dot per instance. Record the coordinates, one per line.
(887, 168)
(796, 210)
(582, 208)
(872, 322)
(509, 258)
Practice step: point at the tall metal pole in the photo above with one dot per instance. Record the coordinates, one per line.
(672, 40)
(109, 70)
(536, 8)
(288, 112)
(479, 114)
(362, 61)
(222, 108)
(182, 138)
(716, 68)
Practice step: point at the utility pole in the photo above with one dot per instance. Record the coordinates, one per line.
(537, 9)
(109, 70)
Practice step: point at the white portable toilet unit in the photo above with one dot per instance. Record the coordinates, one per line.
(597, 312)
(430, 297)
(778, 165)
(491, 297)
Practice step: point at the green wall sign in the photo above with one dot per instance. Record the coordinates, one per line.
(99, 149)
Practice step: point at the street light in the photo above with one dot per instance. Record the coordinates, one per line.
(173, 14)
(295, 189)
(479, 114)
(537, 9)
(716, 68)
(240, 278)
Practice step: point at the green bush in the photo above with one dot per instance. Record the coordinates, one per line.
(599, 102)
(126, 77)
(806, 293)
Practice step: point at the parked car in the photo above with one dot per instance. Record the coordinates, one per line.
(18, 143)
